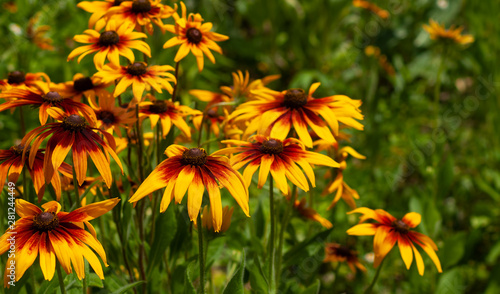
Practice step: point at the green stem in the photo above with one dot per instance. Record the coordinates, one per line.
(33, 278)
(284, 224)
(375, 278)
(60, 277)
(139, 143)
(272, 250)
(201, 255)
(174, 93)
(85, 288)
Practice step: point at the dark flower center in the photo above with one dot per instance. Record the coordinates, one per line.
(295, 98)
(109, 38)
(45, 221)
(52, 97)
(83, 84)
(18, 149)
(271, 146)
(158, 106)
(343, 251)
(400, 226)
(194, 156)
(107, 117)
(194, 35)
(137, 68)
(141, 6)
(212, 113)
(117, 2)
(74, 122)
(16, 77)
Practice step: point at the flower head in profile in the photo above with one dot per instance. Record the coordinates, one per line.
(280, 158)
(44, 99)
(110, 117)
(309, 213)
(191, 170)
(194, 36)
(72, 132)
(141, 13)
(114, 41)
(12, 164)
(53, 234)
(207, 221)
(211, 118)
(387, 230)
(274, 113)
(337, 253)
(438, 32)
(138, 75)
(36, 33)
(82, 86)
(19, 79)
(343, 190)
(243, 86)
(168, 113)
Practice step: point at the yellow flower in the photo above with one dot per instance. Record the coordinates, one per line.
(109, 116)
(274, 113)
(80, 86)
(372, 7)
(193, 36)
(55, 234)
(280, 158)
(140, 76)
(207, 221)
(192, 170)
(113, 42)
(388, 230)
(338, 184)
(438, 32)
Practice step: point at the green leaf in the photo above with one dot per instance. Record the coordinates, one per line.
(125, 288)
(49, 287)
(95, 281)
(166, 227)
(299, 252)
(188, 279)
(313, 289)
(257, 278)
(453, 250)
(235, 285)
(451, 282)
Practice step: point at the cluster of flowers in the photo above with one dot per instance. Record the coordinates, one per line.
(263, 129)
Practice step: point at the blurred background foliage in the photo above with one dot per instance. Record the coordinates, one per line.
(448, 172)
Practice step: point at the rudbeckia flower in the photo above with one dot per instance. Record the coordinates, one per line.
(192, 170)
(109, 116)
(193, 36)
(337, 253)
(140, 76)
(243, 87)
(274, 113)
(98, 9)
(113, 42)
(168, 113)
(278, 157)
(343, 190)
(207, 221)
(12, 165)
(44, 99)
(388, 230)
(438, 32)
(82, 86)
(212, 117)
(142, 13)
(371, 7)
(19, 79)
(36, 33)
(72, 133)
(309, 213)
(52, 234)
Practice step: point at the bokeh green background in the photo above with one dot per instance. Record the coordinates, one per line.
(447, 172)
